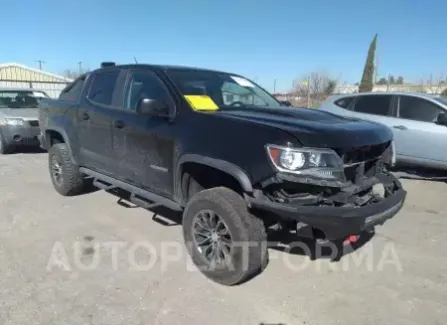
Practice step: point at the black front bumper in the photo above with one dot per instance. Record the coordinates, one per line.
(20, 135)
(336, 222)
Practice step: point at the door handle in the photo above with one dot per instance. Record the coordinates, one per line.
(119, 124)
(400, 127)
(85, 116)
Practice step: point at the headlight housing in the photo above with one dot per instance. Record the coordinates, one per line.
(389, 156)
(13, 121)
(310, 162)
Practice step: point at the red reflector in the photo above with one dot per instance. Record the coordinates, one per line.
(351, 239)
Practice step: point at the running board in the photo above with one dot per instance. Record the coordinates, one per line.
(141, 202)
(139, 196)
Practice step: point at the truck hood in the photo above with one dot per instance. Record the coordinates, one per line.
(314, 128)
(23, 113)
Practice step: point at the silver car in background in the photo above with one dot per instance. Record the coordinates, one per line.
(418, 122)
(19, 111)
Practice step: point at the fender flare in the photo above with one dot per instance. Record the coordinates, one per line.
(64, 135)
(219, 164)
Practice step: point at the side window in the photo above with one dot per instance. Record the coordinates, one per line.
(418, 109)
(73, 91)
(344, 102)
(102, 87)
(374, 104)
(144, 84)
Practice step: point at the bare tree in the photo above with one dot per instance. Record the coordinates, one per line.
(438, 85)
(314, 88)
(73, 74)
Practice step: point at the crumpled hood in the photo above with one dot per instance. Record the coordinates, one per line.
(24, 113)
(314, 128)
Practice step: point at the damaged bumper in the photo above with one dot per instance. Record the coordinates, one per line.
(351, 210)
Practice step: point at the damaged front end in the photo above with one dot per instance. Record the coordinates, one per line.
(365, 195)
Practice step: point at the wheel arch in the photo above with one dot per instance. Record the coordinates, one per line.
(55, 133)
(221, 165)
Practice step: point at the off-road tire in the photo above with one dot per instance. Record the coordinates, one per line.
(72, 182)
(245, 229)
(4, 147)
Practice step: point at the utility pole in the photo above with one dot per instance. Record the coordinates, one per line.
(80, 67)
(308, 92)
(40, 63)
(274, 86)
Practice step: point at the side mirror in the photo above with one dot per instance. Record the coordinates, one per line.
(285, 103)
(153, 107)
(442, 119)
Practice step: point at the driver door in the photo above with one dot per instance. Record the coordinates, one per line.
(142, 145)
(415, 131)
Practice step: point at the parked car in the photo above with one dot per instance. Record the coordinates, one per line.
(19, 124)
(233, 165)
(418, 121)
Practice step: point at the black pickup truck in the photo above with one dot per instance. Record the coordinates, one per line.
(226, 154)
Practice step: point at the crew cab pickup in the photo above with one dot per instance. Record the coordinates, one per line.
(223, 152)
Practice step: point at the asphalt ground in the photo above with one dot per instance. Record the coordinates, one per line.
(89, 260)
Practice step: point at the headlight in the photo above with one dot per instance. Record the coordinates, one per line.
(13, 121)
(312, 162)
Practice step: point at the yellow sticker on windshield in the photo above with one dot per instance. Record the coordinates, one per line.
(201, 103)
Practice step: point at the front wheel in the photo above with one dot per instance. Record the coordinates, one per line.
(66, 178)
(225, 241)
(4, 147)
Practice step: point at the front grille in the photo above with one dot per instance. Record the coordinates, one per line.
(356, 172)
(357, 155)
(33, 123)
(363, 161)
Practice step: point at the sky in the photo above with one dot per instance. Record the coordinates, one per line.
(264, 40)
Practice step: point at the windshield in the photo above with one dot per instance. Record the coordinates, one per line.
(20, 98)
(224, 90)
(442, 100)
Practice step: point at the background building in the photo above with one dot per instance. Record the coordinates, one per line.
(15, 75)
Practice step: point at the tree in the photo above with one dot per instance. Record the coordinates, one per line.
(314, 88)
(444, 93)
(382, 81)
(400, 80)
(368, 72)
(72, 74)
(391, 79)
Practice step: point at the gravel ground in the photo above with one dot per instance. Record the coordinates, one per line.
(58, 265)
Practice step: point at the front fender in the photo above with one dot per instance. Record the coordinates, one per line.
(224, 166)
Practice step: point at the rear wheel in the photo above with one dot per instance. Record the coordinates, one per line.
(225, 241)
(66, 178)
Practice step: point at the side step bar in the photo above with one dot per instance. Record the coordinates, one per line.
(140, 197)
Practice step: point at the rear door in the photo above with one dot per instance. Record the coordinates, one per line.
(143, 146)
(377, 108)
(94, 120)
(416, 133)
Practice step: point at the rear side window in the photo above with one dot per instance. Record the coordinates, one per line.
(103, 86)
(374, 104)
(73, 91)
(344, 102)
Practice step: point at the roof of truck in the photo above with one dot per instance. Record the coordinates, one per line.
(162, 67)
